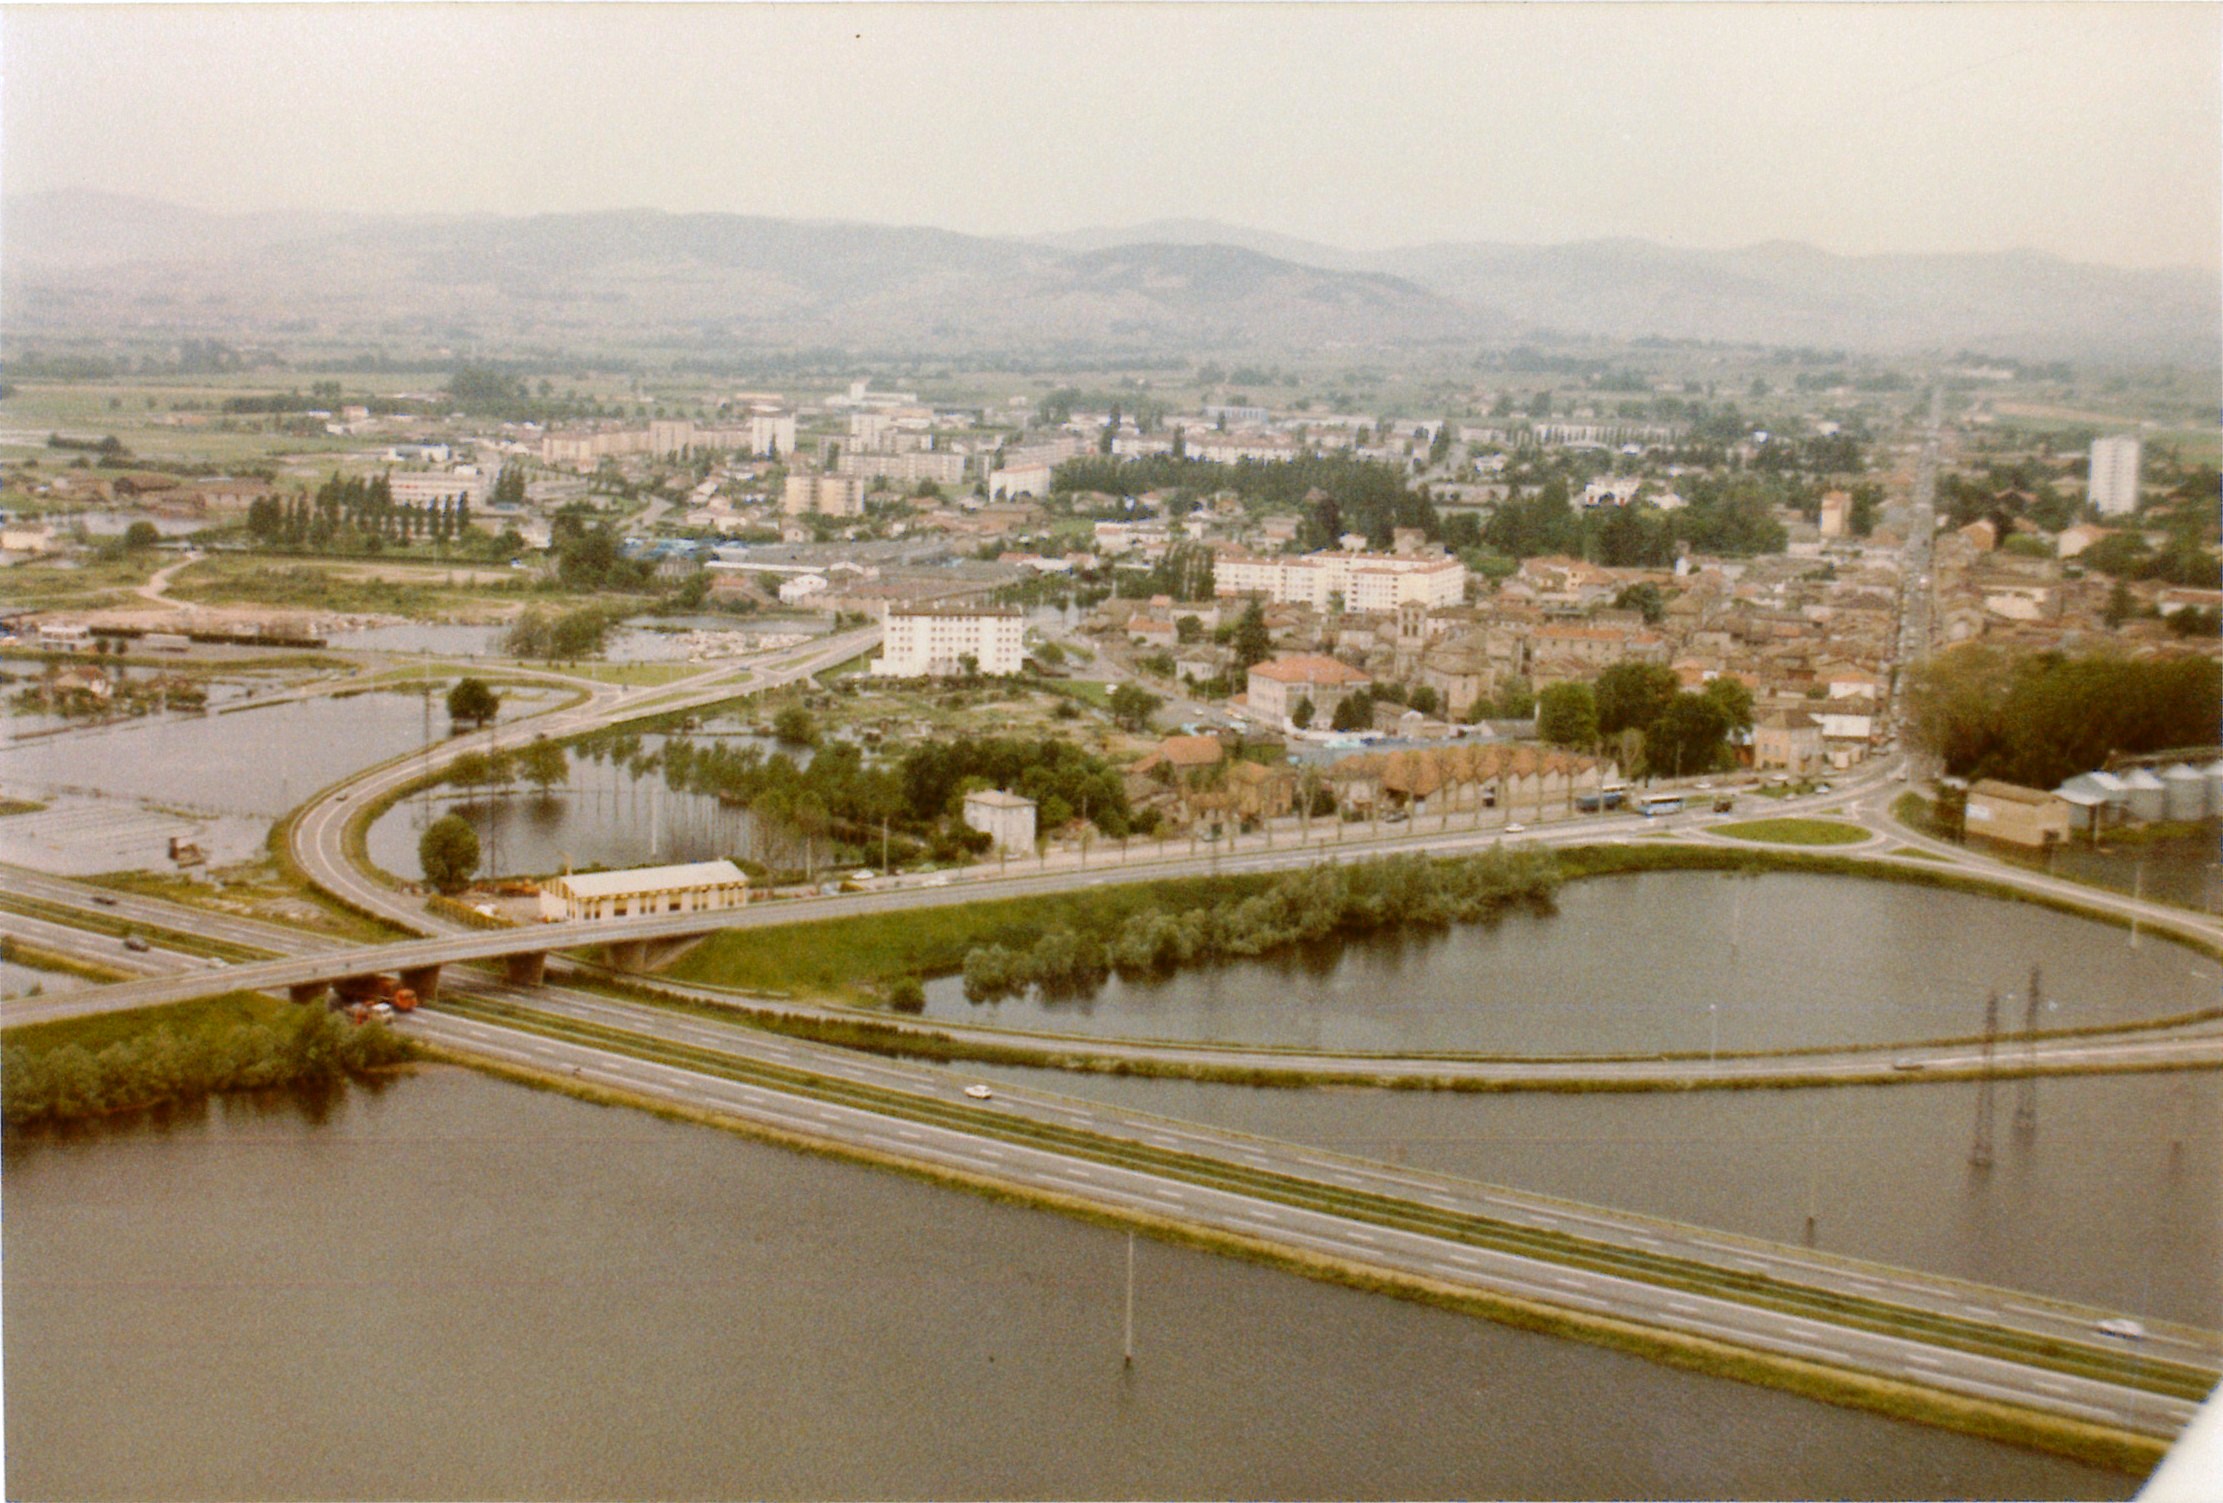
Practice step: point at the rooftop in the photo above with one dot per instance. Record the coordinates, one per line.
(652, 879)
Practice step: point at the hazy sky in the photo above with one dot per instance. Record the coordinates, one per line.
(2091, 130)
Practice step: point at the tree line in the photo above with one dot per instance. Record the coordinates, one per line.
(309, 1046)
(1353, 495)
(2038, 719)
(1294, 908)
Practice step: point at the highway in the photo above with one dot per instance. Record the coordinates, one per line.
(1580, 1260)
(318, 836)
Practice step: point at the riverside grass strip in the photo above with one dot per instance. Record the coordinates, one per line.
(2124, 1451)
(1763, 1290)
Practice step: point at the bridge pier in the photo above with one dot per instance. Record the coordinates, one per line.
(644, 955)
(424, 980)
(526, 968)
(307, 991)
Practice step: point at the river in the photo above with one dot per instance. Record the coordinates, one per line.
(454, 1287)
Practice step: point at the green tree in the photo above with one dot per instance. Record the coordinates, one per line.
(1300, 713)
(2120, 606)
(473, 700)
(141, 535)
(1689, 736)
(1251, 643)
(544, 764)
(1631, 696)
(449, 853)
(1567, 714)
(1132, 706)
(1643, 598)
(1353, 712)
(795, 726)
(1734, 699)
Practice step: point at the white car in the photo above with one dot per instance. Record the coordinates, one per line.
(1516, 829)
(979, 1092)
(2123, 1326)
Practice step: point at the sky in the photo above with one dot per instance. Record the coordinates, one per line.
(2089, 130)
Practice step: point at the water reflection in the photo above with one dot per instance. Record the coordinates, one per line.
(459, 1288)
(1679, 961)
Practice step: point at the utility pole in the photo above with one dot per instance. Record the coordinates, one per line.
(2026, 1089)
(1129, 1349)
(1979, 1152)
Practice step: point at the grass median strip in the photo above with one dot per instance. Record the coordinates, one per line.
(119, 926)
(1757, 1289)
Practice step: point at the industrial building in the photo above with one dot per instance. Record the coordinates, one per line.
(696, 887)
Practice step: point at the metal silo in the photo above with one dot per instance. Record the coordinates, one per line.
(2149, 796)
(2184, 792)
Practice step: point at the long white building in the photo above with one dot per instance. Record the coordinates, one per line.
(1365, 582)
(2115, 464)
(934, 641)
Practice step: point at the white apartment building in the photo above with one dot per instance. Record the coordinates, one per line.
(934, 641)
(1234, 448)
(418, 487)
(1014, 481)
(1366, 582)
(2115, 463)
(940, 466)
(588, 448)
(828, 495)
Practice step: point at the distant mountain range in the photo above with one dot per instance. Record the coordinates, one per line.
(82, 264)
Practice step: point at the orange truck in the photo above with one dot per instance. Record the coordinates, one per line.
(362, 993)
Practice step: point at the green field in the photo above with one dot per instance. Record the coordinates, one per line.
(1794, 831)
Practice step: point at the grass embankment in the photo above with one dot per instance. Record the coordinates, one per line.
(1794, 831)
(854, 959)
(116, 926)
(39, 958)
(1998, 1421)
(264, 890)
(1580, 861)
(145, 1058)
(10, 806)
(848, 958)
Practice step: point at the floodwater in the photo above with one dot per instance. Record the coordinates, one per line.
(118, 793)
(458, 1288)
(1677, 961)
(606, 815)
(669, 641)
(2114, 1198)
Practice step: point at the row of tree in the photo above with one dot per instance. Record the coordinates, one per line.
(1642, 712)
(309, 1046)
(2039, 718)
(1332, 494)
(1301, 907)
(1731, 516)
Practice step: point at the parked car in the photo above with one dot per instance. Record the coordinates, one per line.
(134, 943)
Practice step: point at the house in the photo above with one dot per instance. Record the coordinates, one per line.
(2017, 815)
(1276, 688)
(1788, 739)
(1006, 818)
(938, 641)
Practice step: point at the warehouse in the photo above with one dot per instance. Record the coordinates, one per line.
(697, 887)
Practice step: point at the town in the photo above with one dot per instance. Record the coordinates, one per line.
(1106, 751)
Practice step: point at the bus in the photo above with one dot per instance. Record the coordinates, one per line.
(1656, 804)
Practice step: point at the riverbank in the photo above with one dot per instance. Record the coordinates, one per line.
(137, 1061)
